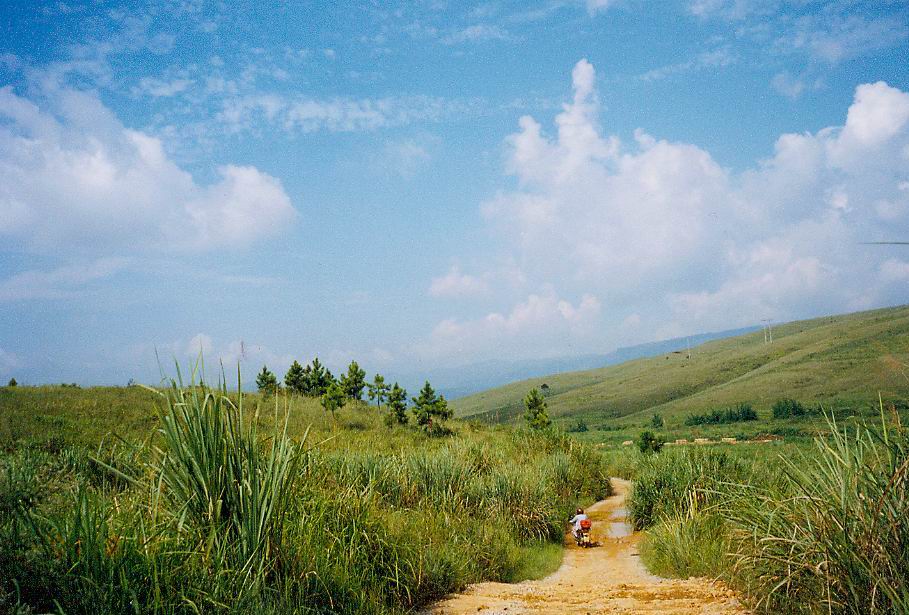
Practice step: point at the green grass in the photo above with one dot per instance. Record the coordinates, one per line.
(209, 502)
(819, 529)
(837, 361)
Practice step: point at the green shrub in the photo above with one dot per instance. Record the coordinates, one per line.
(742, 412)
(786, 408)
(649, 443)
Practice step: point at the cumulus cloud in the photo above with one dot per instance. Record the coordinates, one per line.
(662, 231)
(533, 324)
(73, 177)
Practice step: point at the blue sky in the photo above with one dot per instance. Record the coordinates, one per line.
(431, 184)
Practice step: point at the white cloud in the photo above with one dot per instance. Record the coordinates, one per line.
(200, 343)
(71, 175)
(477, 32)
(455, 284)
(787, 85)
(530, 327)
(595, 6)
(158, 88)
(58, 283)
(240, 113)
(895, 270)
(663, 232)
(715, 58)
(837, 38)
(405, 157)
(8, 363)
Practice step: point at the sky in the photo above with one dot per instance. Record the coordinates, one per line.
(431, 184)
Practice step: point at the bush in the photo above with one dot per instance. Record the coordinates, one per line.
(786, 408)
(579, 427)
(742, 412)
(649, 443)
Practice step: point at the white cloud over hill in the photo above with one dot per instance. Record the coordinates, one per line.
(658, 228)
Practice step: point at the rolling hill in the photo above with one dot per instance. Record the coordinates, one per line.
(848, 358)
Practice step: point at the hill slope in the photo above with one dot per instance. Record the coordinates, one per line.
(850, 357)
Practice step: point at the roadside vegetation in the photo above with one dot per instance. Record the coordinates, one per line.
(194, 498)
(819, 529)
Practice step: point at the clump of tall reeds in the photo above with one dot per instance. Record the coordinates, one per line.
(220, 480)
(836, 541)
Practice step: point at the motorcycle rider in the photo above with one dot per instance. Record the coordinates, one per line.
(576, 520)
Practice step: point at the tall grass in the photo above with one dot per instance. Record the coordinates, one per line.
(821, 531)
(222, 510)
(221, 481)
(838, 539)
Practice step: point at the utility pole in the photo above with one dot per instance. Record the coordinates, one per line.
(768, 330)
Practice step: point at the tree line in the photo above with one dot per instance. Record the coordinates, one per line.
(429, 409)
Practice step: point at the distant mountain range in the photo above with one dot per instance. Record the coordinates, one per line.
(454, 382)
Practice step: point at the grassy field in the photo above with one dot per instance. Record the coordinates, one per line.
(121, 500)
(840, 362)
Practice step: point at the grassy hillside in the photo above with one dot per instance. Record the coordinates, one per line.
(842, 361)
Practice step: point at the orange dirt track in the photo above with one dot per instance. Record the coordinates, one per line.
(607, 579)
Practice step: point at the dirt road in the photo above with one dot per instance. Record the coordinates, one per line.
(606, 579)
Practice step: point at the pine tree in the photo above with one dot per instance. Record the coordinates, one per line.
(12, 382)
(267, 381)
(535, 410)
(334, 398)
(354, 381)
(319, 379)
(428, 406)
(294, 379)
(378, 390)
(397, 405)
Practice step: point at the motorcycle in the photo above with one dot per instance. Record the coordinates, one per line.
(582, 536)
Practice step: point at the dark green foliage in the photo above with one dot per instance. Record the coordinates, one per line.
(354, 381)
(430, 409)
(295, 379)
(12, 382)
(786, 408)
(648, 442)
(378, 390)
(318, 378)
(397, 405)
(267, 382)
(535, 410)
(579, 427)
(742, 412)
(334, 398)
(657, 421)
